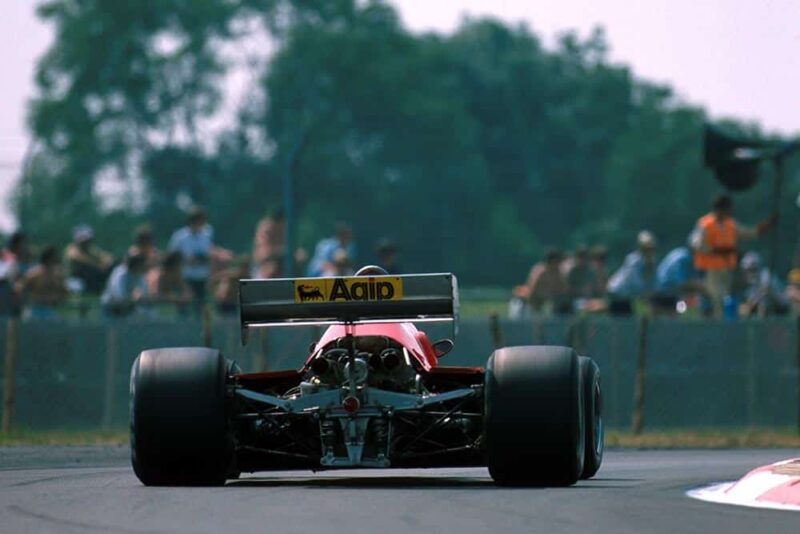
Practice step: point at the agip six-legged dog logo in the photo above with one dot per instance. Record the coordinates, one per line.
(308, 293)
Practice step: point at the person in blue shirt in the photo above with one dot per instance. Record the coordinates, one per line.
(195, 242)
(675, 271)
(126, 287)
(676, 277)
(322, 261)
(635, 278)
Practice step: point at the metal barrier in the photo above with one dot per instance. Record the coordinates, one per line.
(696, 374)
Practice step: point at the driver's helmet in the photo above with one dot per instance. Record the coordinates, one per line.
(371, 270)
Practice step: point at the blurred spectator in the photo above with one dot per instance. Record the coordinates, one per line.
(635, 278)
(269, 240)
(762, 294)
(715, 241)
(195, 242)
(579, 275)
(14, 263)
(44, 287)
(165, 283)
(793, 289)
(269, 247)
(676, 280)
(323, 258)
(597, 262)
(269, 267)
(144, 244)
(126, 287)
(340, 266)
(17, 254)
(546, 288)
(226, 292)
(386, 253)
(87, 262)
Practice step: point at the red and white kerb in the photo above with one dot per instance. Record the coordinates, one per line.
(772, 486)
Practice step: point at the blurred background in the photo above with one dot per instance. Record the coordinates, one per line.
(459, 130)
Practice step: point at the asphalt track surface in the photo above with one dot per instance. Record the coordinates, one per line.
(92, 489)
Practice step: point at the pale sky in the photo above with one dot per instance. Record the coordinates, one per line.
(737, 58)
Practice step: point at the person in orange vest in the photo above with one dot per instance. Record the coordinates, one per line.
(715, 242)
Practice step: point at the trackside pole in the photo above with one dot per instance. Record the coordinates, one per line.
(538, 331)
(750, 385)
(613, 349)
(494, 328)
(207, 325)
(109, 390)
(576, 334)
(10, 372)
(774, 242)
(637, 421)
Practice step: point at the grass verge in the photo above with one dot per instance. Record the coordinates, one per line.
(63, 437)
(669, 439)
(706, 439)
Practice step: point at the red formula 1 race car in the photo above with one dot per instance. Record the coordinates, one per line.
(371, 394)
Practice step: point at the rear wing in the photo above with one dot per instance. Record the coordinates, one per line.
(348, 300)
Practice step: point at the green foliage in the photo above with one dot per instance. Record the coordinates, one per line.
(473, 150)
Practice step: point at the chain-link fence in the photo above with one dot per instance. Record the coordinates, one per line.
(75, 374)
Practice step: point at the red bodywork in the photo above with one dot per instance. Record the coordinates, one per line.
(406, 334)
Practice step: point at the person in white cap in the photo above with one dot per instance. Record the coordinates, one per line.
(87, 262)
(635, 278)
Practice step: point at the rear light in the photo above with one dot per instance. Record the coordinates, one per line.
(351, 404)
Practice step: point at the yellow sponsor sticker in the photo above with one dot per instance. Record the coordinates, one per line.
(368, 288)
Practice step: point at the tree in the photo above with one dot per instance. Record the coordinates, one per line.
(472, 150)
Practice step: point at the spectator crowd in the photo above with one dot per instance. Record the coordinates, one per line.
(192, 271)
(711, 275)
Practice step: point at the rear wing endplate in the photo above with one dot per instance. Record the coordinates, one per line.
(347, 300)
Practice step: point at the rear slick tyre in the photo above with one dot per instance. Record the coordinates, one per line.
(593, 417)
(534, 422)
(179, 429)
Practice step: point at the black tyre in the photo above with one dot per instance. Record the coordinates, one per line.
(179, 429)
(534, 416)
(593, 417)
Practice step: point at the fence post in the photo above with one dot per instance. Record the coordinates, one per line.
(494, 328)
(750, 385)
(614, 415)
(576, 334)
(111, 372)
(9, 385)
(638, 387)
(207, 325)
(538, 331)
